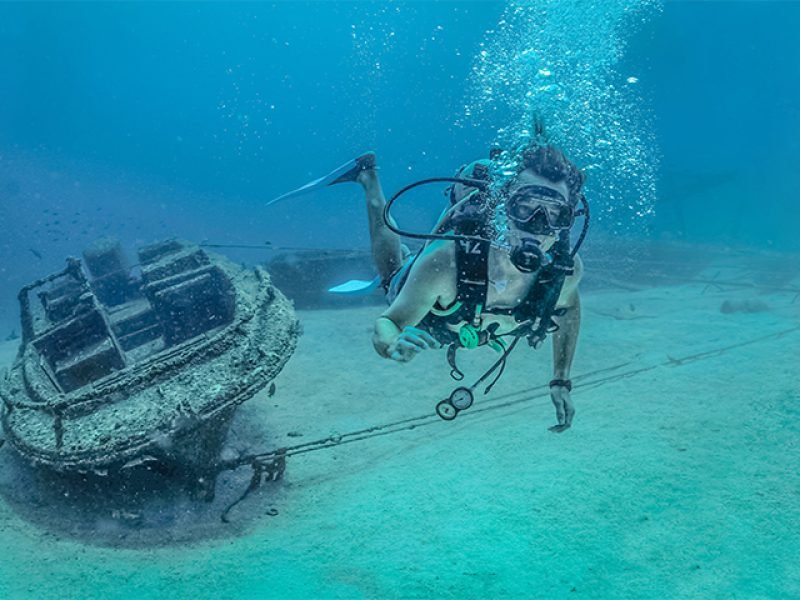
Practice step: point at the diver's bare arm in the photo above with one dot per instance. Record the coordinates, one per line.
(566, 338)
(418, 295)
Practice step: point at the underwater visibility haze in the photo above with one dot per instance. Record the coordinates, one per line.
(641, 447)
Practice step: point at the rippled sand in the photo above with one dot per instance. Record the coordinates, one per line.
(678, 478)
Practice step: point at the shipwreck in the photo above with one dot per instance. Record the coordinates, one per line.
(121, 366)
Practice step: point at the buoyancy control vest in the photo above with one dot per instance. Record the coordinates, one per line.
(469, 216)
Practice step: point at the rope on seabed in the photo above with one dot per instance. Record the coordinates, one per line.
(272, 464)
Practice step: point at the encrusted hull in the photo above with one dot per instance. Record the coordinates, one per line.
(173, 405)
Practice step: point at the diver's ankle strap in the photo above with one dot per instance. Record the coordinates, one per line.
(567, 383)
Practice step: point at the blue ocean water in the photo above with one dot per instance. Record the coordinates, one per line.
(144, 120)
(147, 120)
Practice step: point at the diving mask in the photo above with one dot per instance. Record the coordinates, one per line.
(539, 210)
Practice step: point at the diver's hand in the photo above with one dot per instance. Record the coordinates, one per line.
(565, 410)
(409, 343)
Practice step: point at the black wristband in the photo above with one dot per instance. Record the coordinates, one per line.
(567, 383)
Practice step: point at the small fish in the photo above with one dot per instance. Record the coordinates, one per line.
(36, 253)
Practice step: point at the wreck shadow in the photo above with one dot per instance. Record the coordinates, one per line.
(143, 507)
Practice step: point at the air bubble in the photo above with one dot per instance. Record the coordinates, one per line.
(604, 129)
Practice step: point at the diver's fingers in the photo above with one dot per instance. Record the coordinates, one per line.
(416, 339)
(411, 340)
(424, 335)
(408, 348)
(398, 356)
(410, 344)
(558, 428)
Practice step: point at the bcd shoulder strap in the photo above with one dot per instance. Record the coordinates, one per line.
(472, 267)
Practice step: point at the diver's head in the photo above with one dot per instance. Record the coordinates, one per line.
(537, 208)
(538, 204)
(552, 164)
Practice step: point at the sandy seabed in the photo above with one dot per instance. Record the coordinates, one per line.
(678, 479)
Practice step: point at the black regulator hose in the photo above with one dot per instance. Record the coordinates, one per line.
(585, 214)
(477, 183)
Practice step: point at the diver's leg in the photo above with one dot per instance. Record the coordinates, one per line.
(386, 249)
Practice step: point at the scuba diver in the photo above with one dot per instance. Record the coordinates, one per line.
(498, 267)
